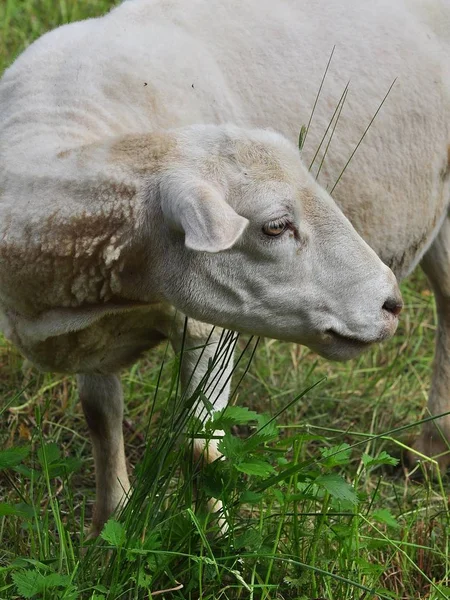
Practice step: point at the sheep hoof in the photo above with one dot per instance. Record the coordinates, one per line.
(429, 455)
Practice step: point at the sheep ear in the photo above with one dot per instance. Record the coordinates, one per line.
(201, 212)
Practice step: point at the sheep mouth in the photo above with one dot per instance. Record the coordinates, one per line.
(348, 340)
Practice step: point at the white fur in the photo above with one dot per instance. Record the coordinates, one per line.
(124, 196)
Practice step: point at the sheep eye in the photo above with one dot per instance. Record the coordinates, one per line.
(275, 228)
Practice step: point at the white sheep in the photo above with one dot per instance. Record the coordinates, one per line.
(127, 202)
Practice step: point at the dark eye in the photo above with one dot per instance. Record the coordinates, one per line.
(275, 228)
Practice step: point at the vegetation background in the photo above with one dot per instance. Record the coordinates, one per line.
(319, 503)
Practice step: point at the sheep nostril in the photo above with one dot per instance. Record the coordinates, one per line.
(394, 306)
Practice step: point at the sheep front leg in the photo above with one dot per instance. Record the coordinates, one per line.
(203, 346)
(102, 401)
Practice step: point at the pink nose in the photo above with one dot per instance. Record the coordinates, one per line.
(394, 306)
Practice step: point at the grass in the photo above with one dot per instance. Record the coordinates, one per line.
(318, 502)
